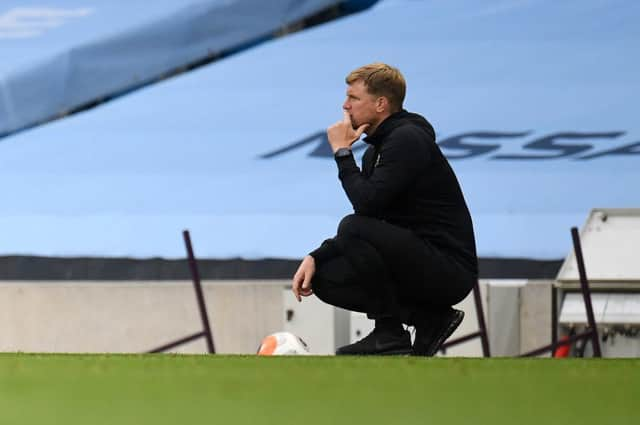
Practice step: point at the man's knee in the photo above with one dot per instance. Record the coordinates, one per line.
(329, 278)
(321, 288)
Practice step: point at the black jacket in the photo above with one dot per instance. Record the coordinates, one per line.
(407, 181)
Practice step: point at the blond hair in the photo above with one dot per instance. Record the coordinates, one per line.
(381, 79)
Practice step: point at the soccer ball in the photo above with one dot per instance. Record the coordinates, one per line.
(283, 344)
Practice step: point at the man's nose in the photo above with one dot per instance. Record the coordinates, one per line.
(346, 106)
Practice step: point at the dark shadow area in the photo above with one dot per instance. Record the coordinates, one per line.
(101, 269)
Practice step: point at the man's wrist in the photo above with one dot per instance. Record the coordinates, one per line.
(342, 152)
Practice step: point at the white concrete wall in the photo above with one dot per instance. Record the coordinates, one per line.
(517, 315)
(535, 315)
(135, 316)
(139, 316)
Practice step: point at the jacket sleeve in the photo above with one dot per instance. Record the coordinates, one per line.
(325, 252)
(403, 156)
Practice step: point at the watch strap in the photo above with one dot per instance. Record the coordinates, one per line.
(342, 152)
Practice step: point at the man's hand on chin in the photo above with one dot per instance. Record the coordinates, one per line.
(342, 134)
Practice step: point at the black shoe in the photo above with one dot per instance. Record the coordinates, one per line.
(379, 342)
(431, 334)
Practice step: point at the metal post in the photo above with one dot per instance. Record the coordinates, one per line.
(554, 317)
(552, 347)
(206, 333)
(198, 288)
(177, 343)
(586, 293)
(484, 337)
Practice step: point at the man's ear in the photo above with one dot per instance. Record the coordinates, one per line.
(382, 104)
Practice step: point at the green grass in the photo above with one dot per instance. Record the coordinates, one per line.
(191, 390)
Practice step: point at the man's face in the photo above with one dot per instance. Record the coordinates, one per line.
(361, 105)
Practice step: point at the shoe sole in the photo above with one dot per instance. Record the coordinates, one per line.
(453, 325)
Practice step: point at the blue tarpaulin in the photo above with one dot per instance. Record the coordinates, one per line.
(62, 55)
(533, 102)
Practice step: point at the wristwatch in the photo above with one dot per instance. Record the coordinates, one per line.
(342, 152)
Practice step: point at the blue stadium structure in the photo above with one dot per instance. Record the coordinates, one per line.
(533, 102)
(66, 55)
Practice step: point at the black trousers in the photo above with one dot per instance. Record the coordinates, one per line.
(387, 271)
